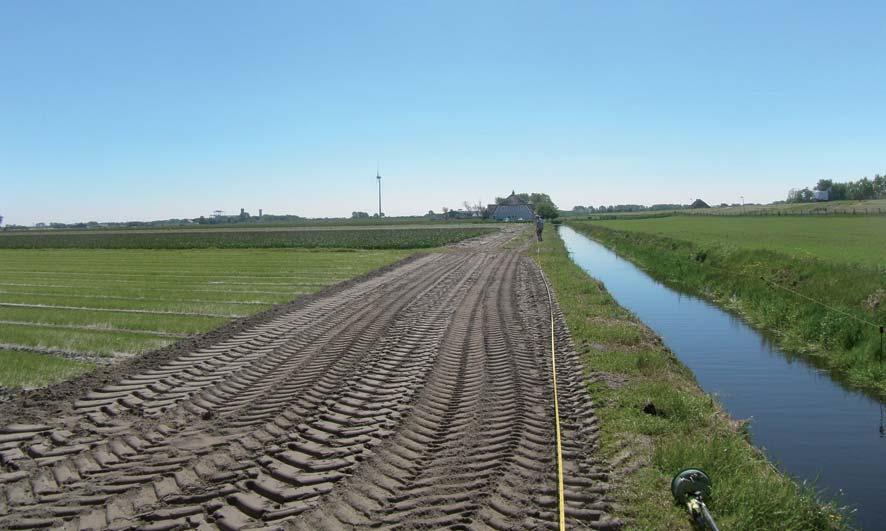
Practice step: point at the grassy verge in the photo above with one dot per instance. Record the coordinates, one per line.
(26, 369)
(730, 273)
(628, 368)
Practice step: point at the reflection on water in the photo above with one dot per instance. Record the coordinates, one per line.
(814, 428)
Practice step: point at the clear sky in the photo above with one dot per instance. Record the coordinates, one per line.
(115, 110)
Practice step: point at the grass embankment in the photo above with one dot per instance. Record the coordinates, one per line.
(839, 262)
(630, 367)
(96, 303)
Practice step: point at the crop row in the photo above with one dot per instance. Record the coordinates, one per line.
(352, 239)
(94, 303)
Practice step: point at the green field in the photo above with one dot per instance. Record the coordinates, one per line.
(27, 369)
(867, 207)
(99, 303)
(374, 237)
(817, 284)
(859, 240)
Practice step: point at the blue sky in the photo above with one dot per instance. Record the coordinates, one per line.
(147, 110)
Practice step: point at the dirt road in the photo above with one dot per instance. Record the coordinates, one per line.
(419, 397)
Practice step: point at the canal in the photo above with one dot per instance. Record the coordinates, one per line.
(813, 428)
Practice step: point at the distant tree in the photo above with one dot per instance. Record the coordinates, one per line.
(431, 213)
(1, 220)
(795, 196)
(806, 195)
(839, 191)
(445, 210)
(579, 209)
(824, 185)
(537, 199)
(547, 211)
(862, 189)
(359, 215)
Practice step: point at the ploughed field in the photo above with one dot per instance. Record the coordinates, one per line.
(62, 310)
(420, 396)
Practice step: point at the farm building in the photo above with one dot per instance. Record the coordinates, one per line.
(698, 203)
(820, 195)
(462, 214)
(512, 209)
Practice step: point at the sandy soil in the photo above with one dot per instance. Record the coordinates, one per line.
(415, 397)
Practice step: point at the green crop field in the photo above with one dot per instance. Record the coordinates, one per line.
(97, 303)
(846, 239)
(864, 207)
(247, 237)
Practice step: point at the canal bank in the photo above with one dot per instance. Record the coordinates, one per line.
(815, 305)
(813, 428)
(655, 420)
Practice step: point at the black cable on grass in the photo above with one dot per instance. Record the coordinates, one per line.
(863, 321)
(831, 308)
(810, 299)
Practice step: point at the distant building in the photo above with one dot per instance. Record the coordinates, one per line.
(820, 195)
(511, 209)
(462, 214)
(698, 203)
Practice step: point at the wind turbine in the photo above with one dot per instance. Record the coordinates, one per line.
(378, 178)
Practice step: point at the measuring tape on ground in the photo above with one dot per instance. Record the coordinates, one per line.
(561, 498)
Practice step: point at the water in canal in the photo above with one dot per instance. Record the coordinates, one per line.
(810, 425)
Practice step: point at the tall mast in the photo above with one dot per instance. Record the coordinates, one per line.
(378, 178)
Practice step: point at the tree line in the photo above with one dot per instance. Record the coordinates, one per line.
(603, 209)
(861, 189)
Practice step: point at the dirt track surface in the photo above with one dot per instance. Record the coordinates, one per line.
(419, 397)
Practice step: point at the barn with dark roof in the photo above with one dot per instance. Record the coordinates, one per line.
(511, 209)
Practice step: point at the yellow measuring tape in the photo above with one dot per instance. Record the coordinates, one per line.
(561, 499)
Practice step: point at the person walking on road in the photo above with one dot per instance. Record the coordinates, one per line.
(539, 226)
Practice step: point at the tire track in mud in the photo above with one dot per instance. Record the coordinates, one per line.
(418, 398)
